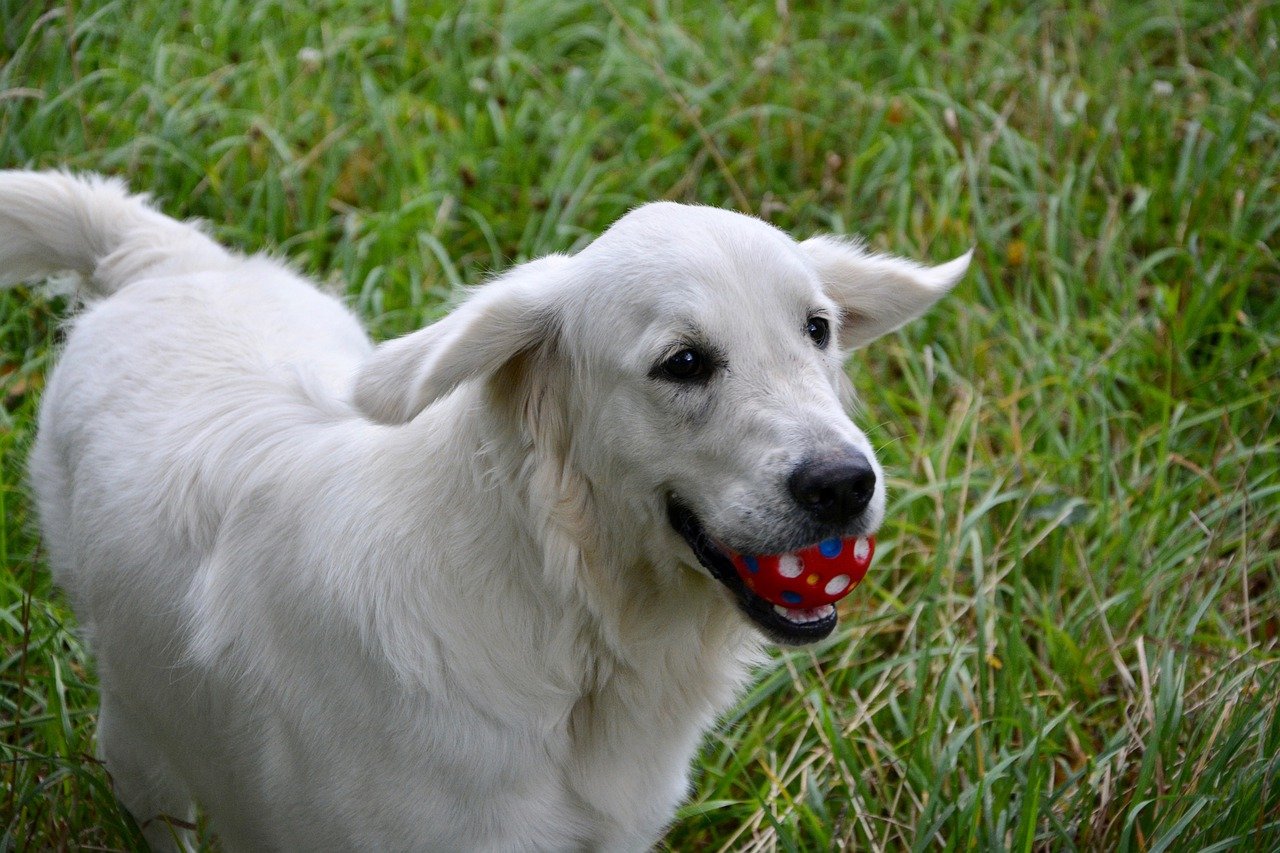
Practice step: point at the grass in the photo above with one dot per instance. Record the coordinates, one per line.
(1070, 638)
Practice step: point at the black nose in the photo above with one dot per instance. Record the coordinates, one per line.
(833, 489)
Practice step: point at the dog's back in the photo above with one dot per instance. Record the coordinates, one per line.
(200, 334)
(189, 374)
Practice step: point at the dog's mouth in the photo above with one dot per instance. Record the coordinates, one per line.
(791, 625)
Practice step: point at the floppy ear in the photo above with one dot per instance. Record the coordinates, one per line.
(498, 322)
(877, 293)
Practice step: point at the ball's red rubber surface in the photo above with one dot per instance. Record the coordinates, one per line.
(811, 577)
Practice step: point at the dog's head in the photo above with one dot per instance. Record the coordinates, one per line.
(687, 366)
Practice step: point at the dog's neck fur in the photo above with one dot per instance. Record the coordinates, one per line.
(654, 660)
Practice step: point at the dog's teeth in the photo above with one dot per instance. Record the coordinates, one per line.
(802, 616)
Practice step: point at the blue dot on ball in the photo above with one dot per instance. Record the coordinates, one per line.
(830, 548)
(791, 597)
(753, 565)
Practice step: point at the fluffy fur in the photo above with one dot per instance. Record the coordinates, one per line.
(425, 595)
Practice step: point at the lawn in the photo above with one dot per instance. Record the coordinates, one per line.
(1070, 638)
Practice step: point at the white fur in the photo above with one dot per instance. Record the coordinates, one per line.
(422, 596)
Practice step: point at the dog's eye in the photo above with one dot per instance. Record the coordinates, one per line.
(687, 365)
(819, 331)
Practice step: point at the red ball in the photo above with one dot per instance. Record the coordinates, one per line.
(810, 577)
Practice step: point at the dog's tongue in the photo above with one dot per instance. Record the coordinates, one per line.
(809, 578)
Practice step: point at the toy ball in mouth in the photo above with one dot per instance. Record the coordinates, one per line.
(808, 578)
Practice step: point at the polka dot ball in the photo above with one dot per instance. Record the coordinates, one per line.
(810, 577)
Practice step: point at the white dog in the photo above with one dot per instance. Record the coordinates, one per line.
(463, 591)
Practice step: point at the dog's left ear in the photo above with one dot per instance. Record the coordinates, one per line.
(500, 321)
(877, 293)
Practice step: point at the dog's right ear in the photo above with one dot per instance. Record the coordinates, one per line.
(498, 322)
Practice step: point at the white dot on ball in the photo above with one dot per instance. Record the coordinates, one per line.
(861, 549)
(790, 566)
(837, 585)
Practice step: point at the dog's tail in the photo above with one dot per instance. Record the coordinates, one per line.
(53, 222)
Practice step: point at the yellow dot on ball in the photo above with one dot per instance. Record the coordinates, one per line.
(811, 580)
